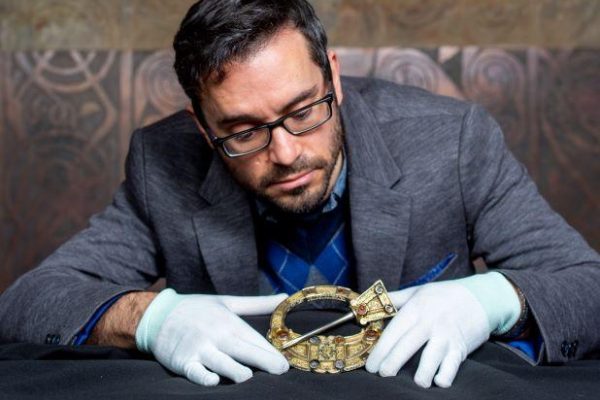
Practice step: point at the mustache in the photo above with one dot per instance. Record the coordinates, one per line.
(280, 172)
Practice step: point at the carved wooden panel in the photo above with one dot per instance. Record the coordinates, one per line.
(66, 118)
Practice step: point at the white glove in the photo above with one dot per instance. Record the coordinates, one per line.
(192, 334)
(452, 318)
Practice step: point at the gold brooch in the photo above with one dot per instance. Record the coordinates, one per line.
(332, 354)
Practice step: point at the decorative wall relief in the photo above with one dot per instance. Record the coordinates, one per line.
(156, 90)
(59, 153)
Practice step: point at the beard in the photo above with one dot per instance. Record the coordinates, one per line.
(301, 200)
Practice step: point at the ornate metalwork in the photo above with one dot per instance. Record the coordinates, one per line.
(333, 353)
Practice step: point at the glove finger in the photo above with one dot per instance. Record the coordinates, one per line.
(253, 305)
(196, 373)
(448, 369)
(400, 297)
(403, 350)
(244, 331)
(397, 328)
(224, 365)
(431, 358)
(250, 354)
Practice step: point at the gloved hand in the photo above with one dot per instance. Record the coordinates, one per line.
(452, 318)
(192, 334)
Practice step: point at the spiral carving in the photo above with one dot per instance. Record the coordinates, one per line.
(156, 85)
(408, 67)
(496, 79)
(415, 68)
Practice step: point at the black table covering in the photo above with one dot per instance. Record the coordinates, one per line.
(30, 371)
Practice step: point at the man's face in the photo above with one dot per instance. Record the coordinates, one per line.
(295, 173)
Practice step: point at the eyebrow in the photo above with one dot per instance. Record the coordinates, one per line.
(306, 94)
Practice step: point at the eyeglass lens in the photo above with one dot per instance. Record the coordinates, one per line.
(296, 123)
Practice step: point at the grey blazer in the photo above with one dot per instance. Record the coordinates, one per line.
(427, 176)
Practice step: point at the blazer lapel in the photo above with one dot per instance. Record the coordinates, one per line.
(380, 212)
(225, 233)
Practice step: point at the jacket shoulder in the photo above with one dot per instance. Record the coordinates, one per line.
(177, 124)
(172, 153)
(176, 133)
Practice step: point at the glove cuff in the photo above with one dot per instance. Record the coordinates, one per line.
(498, 298)
(153, 318)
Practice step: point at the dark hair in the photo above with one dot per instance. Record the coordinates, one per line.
(215, 33)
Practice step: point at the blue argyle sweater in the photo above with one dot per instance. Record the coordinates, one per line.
(296, 251)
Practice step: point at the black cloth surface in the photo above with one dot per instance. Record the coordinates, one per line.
(29, 371)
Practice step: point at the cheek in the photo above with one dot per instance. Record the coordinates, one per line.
(326, 143)
(248, 172)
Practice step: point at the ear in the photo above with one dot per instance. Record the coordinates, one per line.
(190, 110)
(335, 75)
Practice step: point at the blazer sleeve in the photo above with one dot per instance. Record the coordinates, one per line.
(515, 231)
(115, 254)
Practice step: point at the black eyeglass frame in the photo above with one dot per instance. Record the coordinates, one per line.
(328, 98)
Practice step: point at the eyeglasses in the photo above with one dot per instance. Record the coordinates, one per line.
(297, 122)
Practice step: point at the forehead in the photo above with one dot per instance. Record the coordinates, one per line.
(276, 72)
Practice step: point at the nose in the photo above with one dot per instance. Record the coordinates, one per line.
(285, 148)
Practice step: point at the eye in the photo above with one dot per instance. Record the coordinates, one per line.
(245, 137)
(302, 115)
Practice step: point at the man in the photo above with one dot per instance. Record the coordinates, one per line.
(286, 175)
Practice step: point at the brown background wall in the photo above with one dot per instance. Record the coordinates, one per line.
(76, 76)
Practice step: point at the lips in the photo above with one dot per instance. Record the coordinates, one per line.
(294, 181)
